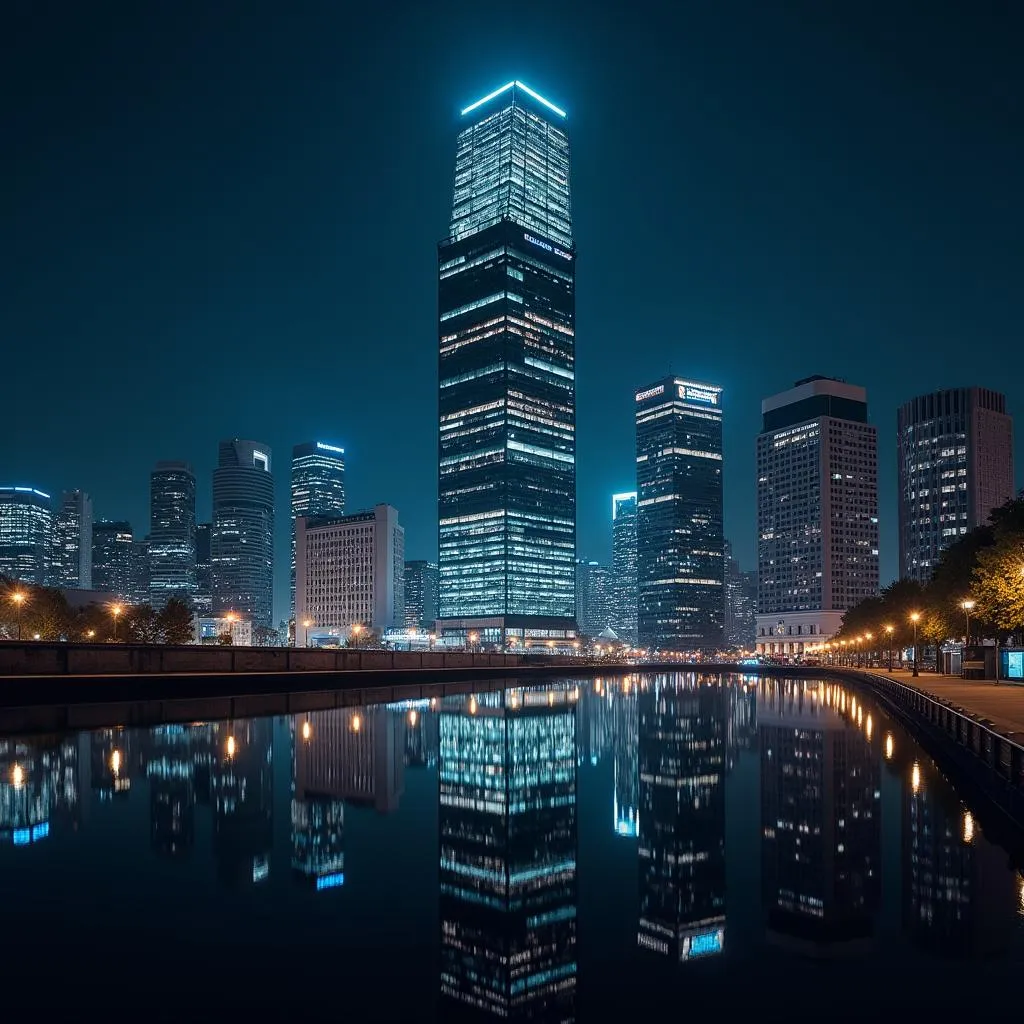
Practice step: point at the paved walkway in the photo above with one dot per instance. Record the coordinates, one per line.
(1003, 704)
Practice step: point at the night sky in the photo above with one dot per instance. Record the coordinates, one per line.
(220, 220)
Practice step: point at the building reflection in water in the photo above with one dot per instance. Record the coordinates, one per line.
(241, 793)
(682, 728)
(170, 753)
(508, 844)
(820, 816)
(111, 764)
(959, 898)
(626, 770)
(39, 788)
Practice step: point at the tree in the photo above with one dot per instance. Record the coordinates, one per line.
(174, 622)
(46, 615)
(998, 582)
(141, 624)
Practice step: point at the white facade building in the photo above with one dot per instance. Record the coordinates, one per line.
(817, 513)
(349, 570)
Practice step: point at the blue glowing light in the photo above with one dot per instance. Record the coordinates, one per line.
(40, 831)
(519, 85)
(330, 881)
(704, 944)
(21, 836)
(330, 448)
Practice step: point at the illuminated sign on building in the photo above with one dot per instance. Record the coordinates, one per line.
(331, 881)
(534, 240)
(705, 396)
(642, 396)
(702, 944)
(330, 448)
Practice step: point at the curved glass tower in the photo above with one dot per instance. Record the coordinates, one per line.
(506, 368)
(242, 538)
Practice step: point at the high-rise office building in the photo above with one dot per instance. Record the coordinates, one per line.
(594, 597)
(624, 619)
(508, 837)
(242, 539)
(26, 534)
(740, 603)
(955, 459)
(113, 559)
(682, 739)
(421, 583)
(506, 367)
(72, 542)
(172, 533)
(203, 600)
(140, 572)
(817, 512)
(679, 541)
(318, 487)
(349, 570)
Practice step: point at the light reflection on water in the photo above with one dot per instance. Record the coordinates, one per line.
(520, 841)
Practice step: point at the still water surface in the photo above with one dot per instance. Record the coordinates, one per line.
(663, 844)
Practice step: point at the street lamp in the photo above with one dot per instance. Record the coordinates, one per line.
(888, 634)
(867, 653)
(357, 630)
(116, 612)
(473, 637)
(915, 617)
(967, 605)
(18, 597)
(306, 623)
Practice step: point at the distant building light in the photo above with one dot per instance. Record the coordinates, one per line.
(330, 448)
(332, 881)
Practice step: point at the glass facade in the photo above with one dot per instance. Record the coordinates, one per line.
(203, 600)
(242, 539)
(507, 412)
(624, 621)
(318, 487)
(594, 597)
(172, 533)
(955, 459)
(680, 545)
(508, 844)
(681, 848)
(740, 604)
(113, 559)
(421, 583)
(72, 542)
(26, 534)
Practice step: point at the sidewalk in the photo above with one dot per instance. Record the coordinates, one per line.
(1002, 704)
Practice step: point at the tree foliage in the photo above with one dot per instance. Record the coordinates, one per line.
(998, 583)
(174, 622)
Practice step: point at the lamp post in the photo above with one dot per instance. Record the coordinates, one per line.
(18, 597)
(967, 605)
(915, 617)
(888, 635)
(116, 612)
(867, 653)
(306, 623)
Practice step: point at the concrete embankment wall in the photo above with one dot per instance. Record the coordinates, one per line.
(43, 659)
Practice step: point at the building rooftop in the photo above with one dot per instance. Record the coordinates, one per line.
(514, 84)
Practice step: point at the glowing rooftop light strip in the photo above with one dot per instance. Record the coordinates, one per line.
(519, 85)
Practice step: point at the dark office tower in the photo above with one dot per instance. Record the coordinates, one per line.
(961, 898)
(682, 817)
(241, 787)
(594, 598)
(113, 558)
(421, 584)
(817, 513)
(740, 604)
(203, 600)
(318, 487)
(624, 621)
(820, 819)
(26, 535)
(170, 772)
(680, 556)
(242, 539)
(172, 533)
(507, 405)
(72, 542)
(140, 572)
(955, 459)
(508, 842)
(625, 739)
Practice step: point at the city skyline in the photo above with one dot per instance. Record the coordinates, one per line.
(938, 307)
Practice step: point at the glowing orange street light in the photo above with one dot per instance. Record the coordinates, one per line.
(116, 611)
(915, 617)
(18, 597)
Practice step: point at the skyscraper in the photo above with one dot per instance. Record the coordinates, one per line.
(955, 459)
(421, 582)
(203, 600)
(680, 547)
(318, 487)
(594, 597)
(242, 540)
(26, 534)
(817, 512)
(624, 619)
(740, 603)
(172, 533)
(72, 541)
(113, 559)
(506, 367)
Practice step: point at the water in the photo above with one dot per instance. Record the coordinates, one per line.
(633, 846)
